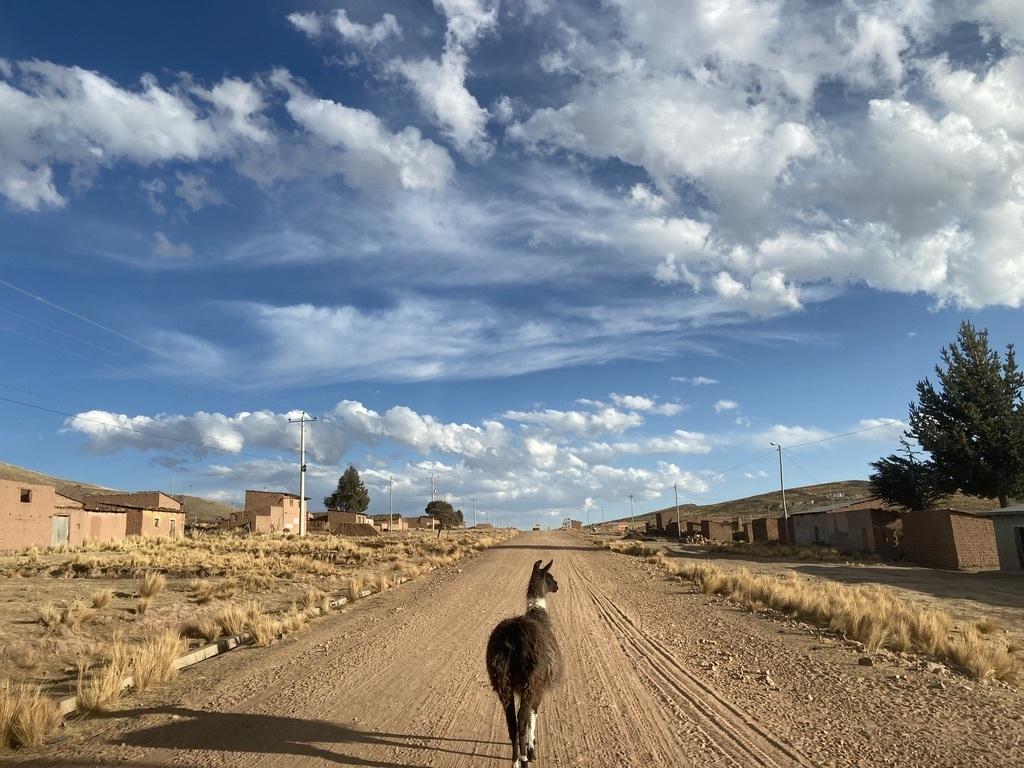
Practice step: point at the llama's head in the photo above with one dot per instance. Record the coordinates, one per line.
(541, 580)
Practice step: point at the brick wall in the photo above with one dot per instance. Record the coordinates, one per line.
(716, 530)
(764, 529)
(975, 539)
(946, 538)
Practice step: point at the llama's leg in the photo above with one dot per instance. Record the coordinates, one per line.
(513, 729)
(531, 738)
(526, 707)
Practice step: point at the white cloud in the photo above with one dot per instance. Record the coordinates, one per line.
(55, 115)
(440, 86)
(164, 248)
(371, 156)
(646, 404)
(604, 420)
(697, 381)
(755, 475)
(786, 436)
(726, 405)
(885, 430)
(196, 191)
(441, 89)
(315, 25)
(768, 292)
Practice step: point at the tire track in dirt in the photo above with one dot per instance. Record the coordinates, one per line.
(729, 728)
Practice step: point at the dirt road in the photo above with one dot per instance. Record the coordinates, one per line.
(398, 682)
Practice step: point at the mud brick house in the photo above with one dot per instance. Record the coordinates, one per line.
(423, 521)
(33, 515)
(390, 522)
(950, 539)
(764, 530)
(146, 513)
(1009, 531)
(267, 512)
(337, 517)
(716, 530)
(692, 528)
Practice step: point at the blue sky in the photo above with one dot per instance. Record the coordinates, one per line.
(555, 253)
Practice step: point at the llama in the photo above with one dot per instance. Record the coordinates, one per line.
(524, 660)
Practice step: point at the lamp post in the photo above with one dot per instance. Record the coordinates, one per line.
(782, 484)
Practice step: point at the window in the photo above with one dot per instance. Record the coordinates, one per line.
(26, 496)
(156, 522)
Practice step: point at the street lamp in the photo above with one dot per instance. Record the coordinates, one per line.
(782, 484)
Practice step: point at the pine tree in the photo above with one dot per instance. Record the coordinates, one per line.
(906, 481)
(973, 425)
(351, 495)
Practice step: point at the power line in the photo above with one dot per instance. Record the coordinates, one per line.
(84, 319)
(846, 434)
(59, 332)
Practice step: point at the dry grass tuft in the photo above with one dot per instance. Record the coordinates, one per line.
(206, 628)
(988, 626)
(142, 605)
(264, 629)
(312, 600)
(153, 584)
(27, 716)
(49, 616)
(355, 586)
(102, 689)
(232, 619)
(101, 598)
(153, 661)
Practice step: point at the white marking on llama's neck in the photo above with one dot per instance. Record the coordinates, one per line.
(536, 602)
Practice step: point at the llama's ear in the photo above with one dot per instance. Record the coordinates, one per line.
(546, 567)
(536, 566)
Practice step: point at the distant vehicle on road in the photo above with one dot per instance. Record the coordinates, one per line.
(536, 527)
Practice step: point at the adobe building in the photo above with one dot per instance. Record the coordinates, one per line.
(33, 515)
(950, 539)
(716, 530)
(267, 512)
(390, 522)
(146, 514)
(338, 517)
(1008, 524)
(423, 521)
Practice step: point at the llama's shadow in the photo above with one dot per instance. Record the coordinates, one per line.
(273, 734)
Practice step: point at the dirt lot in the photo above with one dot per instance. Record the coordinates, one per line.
(966, 595)
(657, 675)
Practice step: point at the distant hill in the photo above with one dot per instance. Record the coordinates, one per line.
(798, 499)
(195, 508)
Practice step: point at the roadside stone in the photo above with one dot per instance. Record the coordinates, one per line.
(866, 661)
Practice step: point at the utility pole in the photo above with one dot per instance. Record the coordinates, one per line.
(631, 511)
(679, 531)
(782, 484)
(432, 487)
(302, 421)
(474, 511)
(391, 504)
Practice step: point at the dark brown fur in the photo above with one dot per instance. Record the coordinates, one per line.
(524, 660)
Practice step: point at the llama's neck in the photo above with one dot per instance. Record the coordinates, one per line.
(535, 603)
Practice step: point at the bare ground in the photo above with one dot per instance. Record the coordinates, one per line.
(657, 675)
